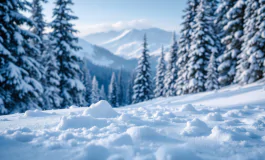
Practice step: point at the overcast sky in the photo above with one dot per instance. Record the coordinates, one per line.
(105, 15)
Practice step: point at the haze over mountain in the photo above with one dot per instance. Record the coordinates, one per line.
(128, 43)
(103, 57)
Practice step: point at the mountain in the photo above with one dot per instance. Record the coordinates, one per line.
(128, 43)
(103, 57)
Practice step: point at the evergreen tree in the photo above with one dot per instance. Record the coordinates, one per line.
(51, 79)
(184, 44)
(233, 30)
(212, 75)
(129, 93)
(102, 95)
(113, 100)
(19, 71)
(160, 75)
(64, 44)
(120, 89)
(203, 45)
(94, 91)
(87, 81)
(142, 89)
(261, 35)
(171, 75)
(250, 60)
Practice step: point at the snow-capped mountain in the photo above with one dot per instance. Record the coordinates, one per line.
(103, 57)
(127, 43)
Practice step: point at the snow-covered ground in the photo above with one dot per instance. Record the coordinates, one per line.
(224, 124)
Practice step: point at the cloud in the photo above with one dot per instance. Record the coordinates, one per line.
(85, 29)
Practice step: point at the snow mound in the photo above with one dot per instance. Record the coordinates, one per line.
(144, 133)
(124, 117)
(226, 135)
(80, 122)
(196, 128)
(187, 108)
(214, 117)
(102, 109)
(233, 113)
(36, 113)
(95, 152)
(120, 140)
(175, 152)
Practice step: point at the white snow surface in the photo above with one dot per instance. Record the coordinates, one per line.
(224, 124)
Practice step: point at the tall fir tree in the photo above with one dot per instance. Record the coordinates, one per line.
(102, 94)
(94, 91)
(233, 30)
(212, 74)
(142, 88)
(51, 80)
(171, 75)
(20, 88)
(87, 81)
(251, 58)
(160, 75)
(202, 46)
(64, 43)
(120, 89)
(129, 92)
(261, 35)
(184, 44)
(113, 100)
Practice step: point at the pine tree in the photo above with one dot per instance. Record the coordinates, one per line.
(212, 75)
(142, 88)
(250, 60)
(102, 95)
(203, 45)
(233, 30)
(113, 100)
(171, 75)
(129, 93)
(160, 75)
(51, 79)
(261, 35)
(120, 89)
(184, 45)
(94, 91)
(87, 81)
(64, 44)
(19, 71)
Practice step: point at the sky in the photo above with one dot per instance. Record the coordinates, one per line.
(105, 15)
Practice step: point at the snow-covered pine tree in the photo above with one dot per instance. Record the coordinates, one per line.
(142, 88)
(64, 44)
(120, 89)
(233, 30)
(202, 46)
(160, 75)
(87, 81)
(129, 93)
(19, 71)
(184, 44)
(261, 35)
(102, 94)
(212, 74)
(250, 60)
(51, 79)
(171, 75)
(94, 91)
(113, 100)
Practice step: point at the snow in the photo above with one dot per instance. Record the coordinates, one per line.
(225, 124)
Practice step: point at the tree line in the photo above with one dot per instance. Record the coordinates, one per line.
(221, 43)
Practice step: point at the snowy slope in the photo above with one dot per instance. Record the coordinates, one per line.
(227, 124)
(127, 43)
(103, 57)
